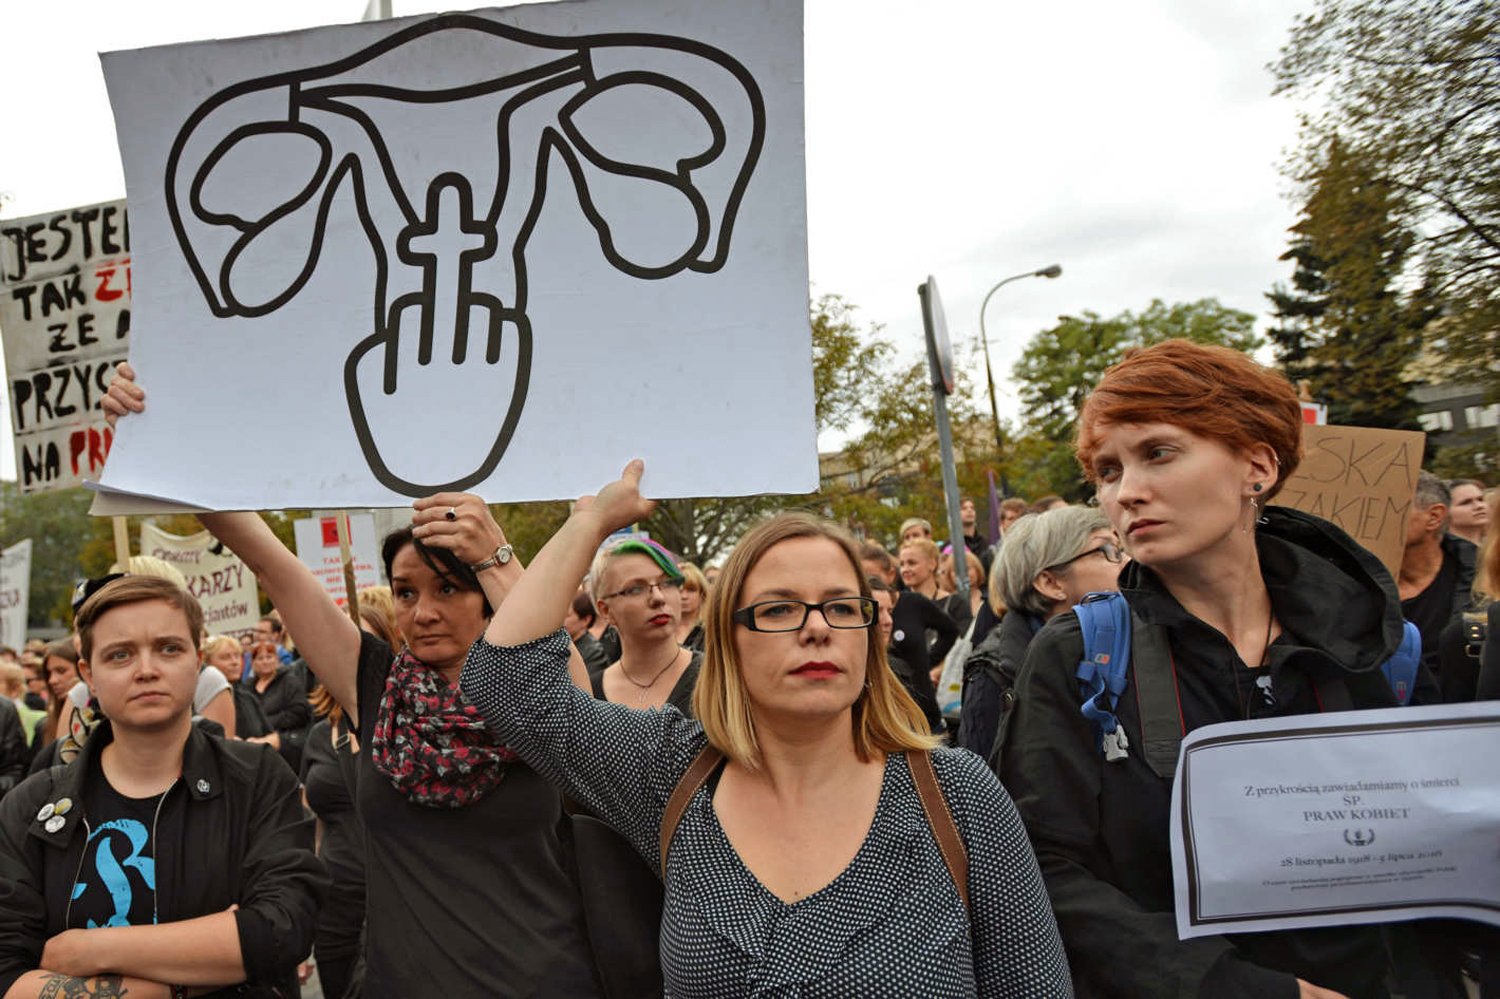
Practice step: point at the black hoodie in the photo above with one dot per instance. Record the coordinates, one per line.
(1101, 829)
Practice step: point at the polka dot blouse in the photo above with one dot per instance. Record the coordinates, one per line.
(891, 924)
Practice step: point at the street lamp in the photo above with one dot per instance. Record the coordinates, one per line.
(1050, 271)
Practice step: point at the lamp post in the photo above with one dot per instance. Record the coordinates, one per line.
(1050, 271)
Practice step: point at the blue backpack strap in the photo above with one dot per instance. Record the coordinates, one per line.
(1104, 619)
(1401, 669)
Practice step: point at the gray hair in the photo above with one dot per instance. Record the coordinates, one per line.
(1432, 490)
(1033, 543)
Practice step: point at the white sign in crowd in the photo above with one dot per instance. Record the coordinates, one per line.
(215, 575)
(65, 284)
(15, 592)
(503, 252)
(317, 541)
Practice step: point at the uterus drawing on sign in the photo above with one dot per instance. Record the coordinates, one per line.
(659, 137)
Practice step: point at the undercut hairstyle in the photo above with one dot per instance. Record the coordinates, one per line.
(449, 567)
(664, 560)
(885, 719)
(1211, 391)
(1035, 542)
(134, 590)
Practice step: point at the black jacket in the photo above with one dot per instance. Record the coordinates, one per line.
(1100, 829)
(15, 755)
(285, 706)
(989, 676)
(231, 831)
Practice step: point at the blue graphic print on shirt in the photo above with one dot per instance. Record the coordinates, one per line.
(114, 861)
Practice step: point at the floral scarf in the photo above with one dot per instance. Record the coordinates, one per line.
(431, 743)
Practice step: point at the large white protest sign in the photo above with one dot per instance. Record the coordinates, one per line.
(215, 575)
(15, 592)
(1345, 817)
(65, 322)
(503, 251)
(317, 541)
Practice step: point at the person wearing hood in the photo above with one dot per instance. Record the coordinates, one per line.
(1257, 612)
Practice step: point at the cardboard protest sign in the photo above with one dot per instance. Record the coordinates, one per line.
(318, 547)
(215, 575)
(65, 322)
(502, 252)
(15, 592)
(1363, 480)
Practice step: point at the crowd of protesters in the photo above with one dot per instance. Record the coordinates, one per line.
(612, 774)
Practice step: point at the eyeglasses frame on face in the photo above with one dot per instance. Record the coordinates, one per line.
(746, 615)
(666, 585)
(1112, 553)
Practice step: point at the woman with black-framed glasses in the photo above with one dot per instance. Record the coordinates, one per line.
(1048, 563)
(805, 857)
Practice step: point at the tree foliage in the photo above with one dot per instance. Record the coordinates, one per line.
(1061, 365)
(57, 524)
(1346, 326)
(1412, 90)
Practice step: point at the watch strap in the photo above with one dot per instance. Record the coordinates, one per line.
(502, 555)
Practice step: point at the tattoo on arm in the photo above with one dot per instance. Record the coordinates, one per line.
(68, 987)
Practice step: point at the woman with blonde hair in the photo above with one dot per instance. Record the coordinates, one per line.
(806, 859)
(694, 592)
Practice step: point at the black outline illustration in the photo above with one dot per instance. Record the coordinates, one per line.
(575, 67)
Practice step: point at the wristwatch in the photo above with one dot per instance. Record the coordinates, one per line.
(502, 555)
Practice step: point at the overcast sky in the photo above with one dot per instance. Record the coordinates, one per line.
(1136, 144)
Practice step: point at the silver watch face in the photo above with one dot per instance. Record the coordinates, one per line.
(502, 554)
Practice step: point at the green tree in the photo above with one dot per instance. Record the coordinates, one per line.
(1061, 365)
(57, 523)
(1409, 87)
(1349, 329)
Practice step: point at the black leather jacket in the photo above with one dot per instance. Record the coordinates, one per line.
(231, 831)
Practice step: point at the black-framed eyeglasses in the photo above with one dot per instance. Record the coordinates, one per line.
(635, 590)
(1112, 553)
(791, 615)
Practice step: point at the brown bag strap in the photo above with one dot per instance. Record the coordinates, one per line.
(703, 764)
(940, 818)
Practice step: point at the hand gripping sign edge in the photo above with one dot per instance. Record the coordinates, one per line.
(324, 109)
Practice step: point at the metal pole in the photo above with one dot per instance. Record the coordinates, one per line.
(1050, 271)
(950, 492)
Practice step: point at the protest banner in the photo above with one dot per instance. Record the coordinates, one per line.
(1363, 480)
(215, 575)
(65, 321)
(1346, 817)
(15, 592)
(317, 541)
(446, 249)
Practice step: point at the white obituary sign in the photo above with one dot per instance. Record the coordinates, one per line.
(502, 252)
(65, 322)
(1347, 817)
(318, 547)
(15, 592)
(215, 575)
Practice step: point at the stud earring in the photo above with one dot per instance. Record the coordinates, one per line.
(1257, 487)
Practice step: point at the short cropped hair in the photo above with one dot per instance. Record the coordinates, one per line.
(134, 590)
(1214, 392)
(911, 522)
(885, 718)
(631, 546)
(1431, 491)
(1014, 504)
(583, 606)
(1036, 542)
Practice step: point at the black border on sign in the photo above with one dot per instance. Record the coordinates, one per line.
(1190, 855)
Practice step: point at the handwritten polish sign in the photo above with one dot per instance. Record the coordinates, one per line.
(1363, 480)
(317, 541)
(15, 592)
(65, 292)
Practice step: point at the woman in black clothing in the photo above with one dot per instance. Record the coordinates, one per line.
(328, 767)
(638, 585)
(469, 890)
(1265, 613)
(283, 701)
(1049, 562)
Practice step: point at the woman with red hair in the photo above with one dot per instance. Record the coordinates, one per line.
(1261, 612)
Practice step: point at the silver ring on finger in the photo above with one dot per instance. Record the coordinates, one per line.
(452, 513)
